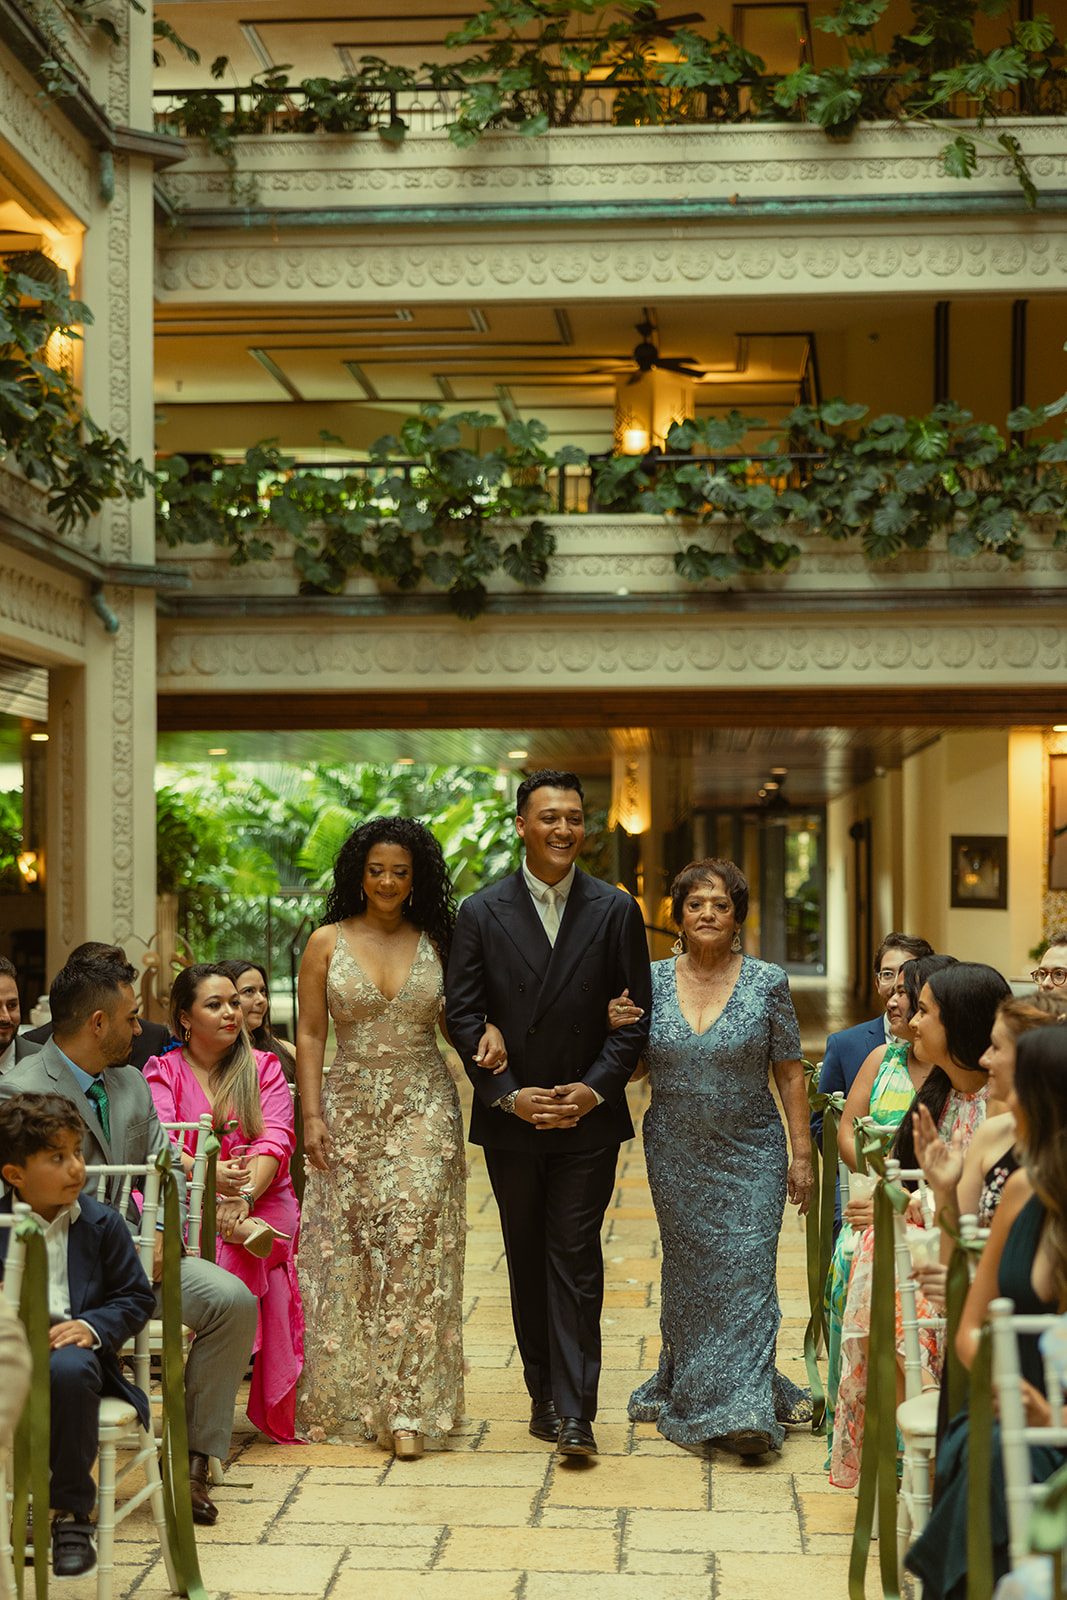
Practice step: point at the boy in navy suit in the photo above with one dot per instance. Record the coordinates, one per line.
(98, 1297)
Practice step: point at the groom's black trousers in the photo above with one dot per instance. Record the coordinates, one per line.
(551, 1211)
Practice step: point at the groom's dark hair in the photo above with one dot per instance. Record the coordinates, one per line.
(547, 778)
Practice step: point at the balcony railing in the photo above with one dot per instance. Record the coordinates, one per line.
(427, 107)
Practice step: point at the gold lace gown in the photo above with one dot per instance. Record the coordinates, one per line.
(381, 1248)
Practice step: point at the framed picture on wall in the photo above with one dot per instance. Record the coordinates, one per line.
(979, 871)
(1057, 822)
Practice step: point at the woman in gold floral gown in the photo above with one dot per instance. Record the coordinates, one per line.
(381, 1252)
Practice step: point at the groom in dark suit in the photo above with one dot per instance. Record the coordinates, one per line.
(540, 954)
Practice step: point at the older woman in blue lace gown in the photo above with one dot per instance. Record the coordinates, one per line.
(720, 1173)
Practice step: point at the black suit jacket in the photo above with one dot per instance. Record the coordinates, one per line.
(550, 1003)
(152, 1040)
(107, 1287)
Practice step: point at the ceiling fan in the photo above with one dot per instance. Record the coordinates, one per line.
(646, 355)
(648, 22)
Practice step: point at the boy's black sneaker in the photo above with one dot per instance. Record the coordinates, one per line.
(73, 1545)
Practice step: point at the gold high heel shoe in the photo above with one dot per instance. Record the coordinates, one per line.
(407, 1446)
(259, 1241)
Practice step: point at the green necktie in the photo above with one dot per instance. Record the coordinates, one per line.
(98, 1095)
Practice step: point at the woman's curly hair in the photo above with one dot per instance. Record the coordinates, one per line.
(431, 905)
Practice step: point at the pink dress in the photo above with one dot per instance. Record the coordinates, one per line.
(279, 1346)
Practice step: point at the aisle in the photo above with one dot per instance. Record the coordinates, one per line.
(495, 1517)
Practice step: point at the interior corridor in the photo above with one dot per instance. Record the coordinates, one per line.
(496, 1516)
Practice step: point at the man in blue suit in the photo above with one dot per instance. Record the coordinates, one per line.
(847, 1050)
(98, 1297)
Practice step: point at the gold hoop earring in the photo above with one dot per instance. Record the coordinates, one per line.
(187, 1034)
(678, 947)
(736, 945)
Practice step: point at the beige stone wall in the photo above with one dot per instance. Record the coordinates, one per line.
(100, 863)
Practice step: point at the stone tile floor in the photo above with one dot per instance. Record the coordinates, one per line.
(496, 1516)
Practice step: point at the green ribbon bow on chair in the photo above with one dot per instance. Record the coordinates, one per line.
(33, 1434)
(174, 1460)
(980, 1472)
(878, 1471)
(819, 1236)
(208, 1220)
(957, 1379)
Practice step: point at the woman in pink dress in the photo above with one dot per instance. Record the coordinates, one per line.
(216, 1069)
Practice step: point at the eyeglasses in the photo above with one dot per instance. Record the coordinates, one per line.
(886, 975)
(1057, 976)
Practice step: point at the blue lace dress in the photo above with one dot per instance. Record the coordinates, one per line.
(716, 1154)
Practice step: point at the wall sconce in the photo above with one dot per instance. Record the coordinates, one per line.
(631, 808)
(28, 865)
(635, 441)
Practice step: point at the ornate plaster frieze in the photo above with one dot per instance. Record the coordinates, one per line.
(123, 734)
(67, 778)
(605, 555)
(119, 514)
(39, 610)
(48, 162)
(604, 163)
(591, 263)
(407, 655)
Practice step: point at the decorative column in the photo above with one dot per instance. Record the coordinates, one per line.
(103, 714)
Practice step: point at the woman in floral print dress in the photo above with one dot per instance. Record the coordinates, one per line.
(381, 1256)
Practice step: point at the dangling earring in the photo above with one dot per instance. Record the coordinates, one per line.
(678, 947)
(736, 946)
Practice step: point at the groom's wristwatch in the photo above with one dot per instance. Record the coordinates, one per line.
(507, 1102)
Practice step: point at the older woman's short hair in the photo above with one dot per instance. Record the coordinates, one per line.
(733, 880)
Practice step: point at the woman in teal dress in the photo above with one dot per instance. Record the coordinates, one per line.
(720, 1174)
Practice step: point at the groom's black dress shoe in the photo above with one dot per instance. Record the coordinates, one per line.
(575, 1438)
(544, 1420)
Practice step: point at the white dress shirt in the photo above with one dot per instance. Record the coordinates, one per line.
(550, 899)
(550, 902)
(56, 1240)
(7, 1058)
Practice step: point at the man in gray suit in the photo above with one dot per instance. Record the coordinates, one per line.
(14, 1047)
(94, 1019)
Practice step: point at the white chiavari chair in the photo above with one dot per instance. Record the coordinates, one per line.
(1016, 1436)
(196, 1180)
(120, 1426)
(917, 1412)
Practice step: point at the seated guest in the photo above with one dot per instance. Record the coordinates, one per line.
(884, 1090)
(254, 995)
(973, 1184)
(153, 1037)
(215, 1069)
(952, 1025)
(847, 1050)
(94, 1017)
(1050, 974)
(14, 1046)
(1024, 1260)
(15, 1368)
(98, 1297)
